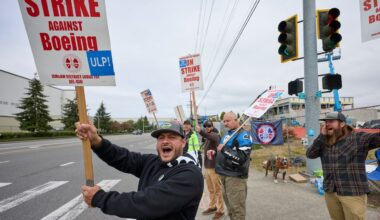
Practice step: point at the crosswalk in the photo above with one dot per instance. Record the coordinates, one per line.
(68, 211)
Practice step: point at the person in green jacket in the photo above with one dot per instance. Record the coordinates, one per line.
(192, 147)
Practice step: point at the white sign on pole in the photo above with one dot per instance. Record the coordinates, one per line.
(180, 114)
(261, 105)
(191, 74)
(70, 42)
(370, 19)
(148, 100)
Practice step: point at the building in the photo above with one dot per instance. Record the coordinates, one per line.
(151, 120)
(293, 108)
(12, 90)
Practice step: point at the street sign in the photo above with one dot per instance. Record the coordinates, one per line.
(148, 100)
(370, 20)
(261, 105)
(191, 73)
(70, 42)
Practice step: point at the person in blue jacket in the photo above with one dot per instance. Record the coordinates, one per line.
(170, 185)
(232, 164)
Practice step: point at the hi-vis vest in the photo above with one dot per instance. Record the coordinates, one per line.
(193, 143)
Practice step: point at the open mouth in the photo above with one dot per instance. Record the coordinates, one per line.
(166, 149)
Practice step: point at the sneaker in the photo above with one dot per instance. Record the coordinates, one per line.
(218, 215)
(209, 211)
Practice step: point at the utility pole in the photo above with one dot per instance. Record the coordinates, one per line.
(191, 107)
(312, 102)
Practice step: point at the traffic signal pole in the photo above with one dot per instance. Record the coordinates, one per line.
(312, 103)
(337, 105)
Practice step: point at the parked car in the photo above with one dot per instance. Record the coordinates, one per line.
(373, 124)
(137, 132)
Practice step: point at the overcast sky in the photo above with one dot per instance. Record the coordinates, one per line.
(148, 37)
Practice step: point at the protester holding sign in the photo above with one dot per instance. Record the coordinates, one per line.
(212, 139)
(343, 153)
(232, 164)
(170, 185)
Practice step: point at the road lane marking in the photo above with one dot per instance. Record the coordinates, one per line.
(4, 161)
(4, 184)
(66, 164)
(76, 206)
(34, 147)
(28, 194)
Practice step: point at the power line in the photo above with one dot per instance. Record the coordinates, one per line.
(220, 39)
(208, 23)
(203, 25)
(199, 24)
(254, 6)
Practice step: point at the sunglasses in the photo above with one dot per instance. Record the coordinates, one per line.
(208, 126)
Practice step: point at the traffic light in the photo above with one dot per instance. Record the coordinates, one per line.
(288, 39)
(332, 81)
(328, 27)
(295, 87)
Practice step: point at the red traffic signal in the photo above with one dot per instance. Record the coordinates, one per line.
(328, 27)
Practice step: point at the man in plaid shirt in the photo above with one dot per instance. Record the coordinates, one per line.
(343, 153)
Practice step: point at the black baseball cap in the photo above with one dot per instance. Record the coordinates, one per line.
(169, 127)
(208, 123)
(334, 116)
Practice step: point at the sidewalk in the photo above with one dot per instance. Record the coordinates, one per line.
(267, 200)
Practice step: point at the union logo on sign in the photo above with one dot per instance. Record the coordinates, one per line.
(72, 63)
(266, 133)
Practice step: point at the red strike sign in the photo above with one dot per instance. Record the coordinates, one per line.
(68, 8)
(372, 4)
(69, 41)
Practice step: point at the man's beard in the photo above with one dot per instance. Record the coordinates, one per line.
(335, 136)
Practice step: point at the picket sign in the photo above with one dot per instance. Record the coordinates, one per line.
(258, 108)
(71, 47)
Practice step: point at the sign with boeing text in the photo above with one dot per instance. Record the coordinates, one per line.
(370, 19)
(262, 104)
(149, 101)
(191, 74)
(70, 42)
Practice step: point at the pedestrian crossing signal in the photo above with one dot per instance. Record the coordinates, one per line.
(295, 87)
(332, 81)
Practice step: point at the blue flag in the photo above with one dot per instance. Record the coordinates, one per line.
(267, 132)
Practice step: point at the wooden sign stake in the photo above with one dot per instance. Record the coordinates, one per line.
(86, 146)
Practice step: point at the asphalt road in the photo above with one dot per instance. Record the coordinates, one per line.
(42, 179)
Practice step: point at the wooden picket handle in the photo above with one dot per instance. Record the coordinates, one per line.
(86, 145)
(155, 118)
(195, 107)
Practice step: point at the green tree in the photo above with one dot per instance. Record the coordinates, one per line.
(143, 124)
(222, 115)
(116, 126)
(102, 119)
(34, 116)
(127, 126)
(70, 114)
